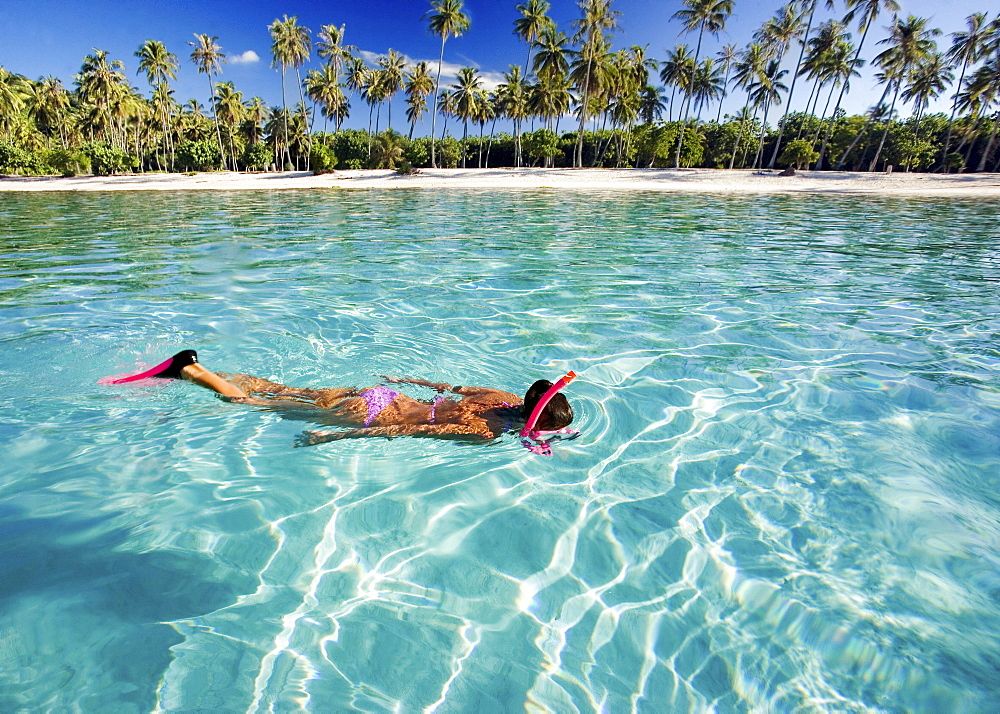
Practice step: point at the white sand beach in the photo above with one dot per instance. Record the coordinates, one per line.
(688, 180)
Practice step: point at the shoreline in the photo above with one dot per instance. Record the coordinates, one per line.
(739, 181)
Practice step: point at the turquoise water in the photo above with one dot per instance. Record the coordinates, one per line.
(785, 496)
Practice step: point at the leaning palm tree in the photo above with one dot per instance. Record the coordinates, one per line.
(597, 19)
(810, 9)
(445, 19)
(700, 15)
(967, 48)
(290, 45)
(926, 82)
(748, 68)
(417, 84)
(867, 11)
(533, 21)
(208, 57)
(910, 43)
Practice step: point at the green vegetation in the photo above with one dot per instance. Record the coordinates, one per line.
(792, 79)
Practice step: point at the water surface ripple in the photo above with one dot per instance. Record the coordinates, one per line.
(784, 497)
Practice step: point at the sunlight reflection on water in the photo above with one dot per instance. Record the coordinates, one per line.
(784, 496)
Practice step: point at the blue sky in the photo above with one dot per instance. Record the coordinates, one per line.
(48, 37)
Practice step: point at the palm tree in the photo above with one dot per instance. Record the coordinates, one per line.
(926, 82)
(208, 58)
(597, 18)
(707, 86)
(323, 88)
(393, 67)
(159, 65)
(13, 93)
(102, 87)
(867, 11)
(466, 97)
(48, 104)
(444, 20)
(330, 47)
(810, 7)
(700, 15)
(290, 46)
(652, 104)
(417, 84)
(748, 68)
(229, 106)
(765, 92)
(829, 61)
(533, 21)
(254, 116)
(910, 44)
(677, 72)
(387, 152)
(966, 47)
(513, 95)
(728, 55)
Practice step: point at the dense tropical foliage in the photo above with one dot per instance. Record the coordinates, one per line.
(575, 100)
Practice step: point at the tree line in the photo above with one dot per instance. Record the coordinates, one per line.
(573, 101)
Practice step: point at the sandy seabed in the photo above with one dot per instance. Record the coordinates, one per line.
(688, 180)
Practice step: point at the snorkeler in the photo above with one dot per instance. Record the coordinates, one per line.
(481, 414)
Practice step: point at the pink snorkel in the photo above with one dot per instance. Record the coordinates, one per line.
(529, 434)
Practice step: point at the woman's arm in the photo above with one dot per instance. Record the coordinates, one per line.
(437, 386)
(446, 431)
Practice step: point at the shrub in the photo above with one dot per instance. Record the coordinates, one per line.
(386, 150)
(322, 159)
(256, 157)
(107, 160)
(198, 155)
(418, 152)
(405, 168)
(352, 164)
(799, 153)
(68, 162)
(540, 144)
(350, 145)
(447, 152)
(13, 159)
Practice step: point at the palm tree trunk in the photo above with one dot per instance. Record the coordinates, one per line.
(437, 90)
(578, 153)
(284, 117)
(989, 145)
(885, 133)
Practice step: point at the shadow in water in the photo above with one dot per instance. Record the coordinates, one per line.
(77, 602)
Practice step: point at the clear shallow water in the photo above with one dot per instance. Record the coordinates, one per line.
(785, 495)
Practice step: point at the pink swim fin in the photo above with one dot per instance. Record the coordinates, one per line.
(170, 369)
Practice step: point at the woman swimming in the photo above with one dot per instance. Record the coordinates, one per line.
(481, 414)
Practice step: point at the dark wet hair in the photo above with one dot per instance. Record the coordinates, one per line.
(557, 414)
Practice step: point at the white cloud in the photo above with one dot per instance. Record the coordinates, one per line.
(449, 70)
(248, 57)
